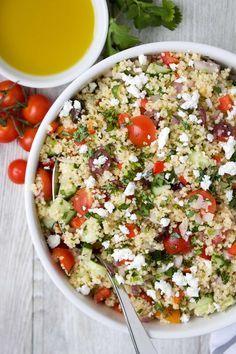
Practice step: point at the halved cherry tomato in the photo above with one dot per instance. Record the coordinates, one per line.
(232, 249)
(37, 107)
(16, 171)
(143, 104)
(204, 255)
(225, 103)
(183, 180)
(65, 258)
(82, 201)
(121, 118)
(133, 230)
(46, 180)
(168, 58)
(206, 195)
(10, 93)
(142, 131)
(9, 132)
(217, 158)
(102, 294)
(53, 127)
(26, 140)
(77, 221)
(158, 167)
(90, 127)
(174, 245)
(172, 316)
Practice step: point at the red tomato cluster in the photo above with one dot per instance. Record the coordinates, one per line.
(20, 115)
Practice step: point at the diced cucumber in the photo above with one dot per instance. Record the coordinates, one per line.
(96, 269)
(218, 261)
(199, 159)
(86, 254)
(116, 91)
(67, 191)
(48, 222)
(160, 190)
(204, 306)
(67, 186)
(54, 146)
(91, 230)
(155, 69)
(60, 211)
(227, 302)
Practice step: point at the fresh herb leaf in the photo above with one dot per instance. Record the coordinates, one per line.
(81, 133)
(170, 272)
(145, 204)
(217, 89)
(232, 203)
(110, 116)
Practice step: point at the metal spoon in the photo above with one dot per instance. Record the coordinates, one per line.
(55, 182)
(141, 341)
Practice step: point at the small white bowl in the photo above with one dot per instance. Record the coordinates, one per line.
(197, 326)
(92, 54)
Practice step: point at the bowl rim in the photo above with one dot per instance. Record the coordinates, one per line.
(101, 17)
(197, 326)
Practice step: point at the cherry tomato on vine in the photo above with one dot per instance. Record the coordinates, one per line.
(37, 107)
(26, 140)
(16, 171)
(8, 130)
(10, 93)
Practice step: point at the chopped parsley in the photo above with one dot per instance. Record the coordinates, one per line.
(81, 133)
(110, 116)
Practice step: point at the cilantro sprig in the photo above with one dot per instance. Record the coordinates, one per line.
(143, 14)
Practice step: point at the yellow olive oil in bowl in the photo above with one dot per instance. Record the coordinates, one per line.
(45, 37)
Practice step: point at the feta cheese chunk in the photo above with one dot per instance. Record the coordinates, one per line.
(100, 211)
(114, 102)
(83, 149)
(133, 158)
(123, 253)
(164, 222)
(90, 182)
(138, 262)
(53, 241)
(100, 161)
(163, 137)
(124, 229)
(229, 147)
(84, 290)
(152, 294)
(228, 168)
(65, 111)
(109, 207)
(142, 59)
(191, 101)
(129, 190)
(165, 288)
(106, 244)
(206, 182)
(229, 195)
(184, 139)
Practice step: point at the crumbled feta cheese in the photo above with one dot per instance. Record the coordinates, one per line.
(184, 139)
(106, 244)
(109, 206)
(100, 211)
(100, 161)
(133, 158)
(207, 217)
(53, 241)
(193, 118)
(173, 66)
(133, 217)
(138, 176)
(165, 288)
(152, 294)
(164, 222)
(209, 103)
(129, 190)
(114, 102)
(65, 111)
(181, 79)
(90, 182)
(119, 279)
(117, 238)
(210, 137)
(163, 137)
(196, 173)
(191, 63)
(228, 168)
(137, 263)
(181, 114)
(142, 59)
(183, 159)
(77, 105)
(229, 147)
(84, 290)
(92, 86)
(192, 289)
(232, 113)
(229, 195)
(205, 182)
(191, 101)
(179, 279)
(123, 253)
(124, 229)
(83, 149)
(184, 318)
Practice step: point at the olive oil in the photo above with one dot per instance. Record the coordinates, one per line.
(44, 37)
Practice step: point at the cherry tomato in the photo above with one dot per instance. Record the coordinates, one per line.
(37, 107)
(133, 230)
(225, 103)
(204, 255)
(27, 139)
(102, 294)
(77, 221)
(158, 167)
(168, 58)
(174, 245)
(142, 131)
(46, 180)
(206, 195)
(13, 93)
(82, 201)
(223, 130)
(232, 249)
(9, 132)
(65, 258)
(53, 127)
(183, 180)
(16, 171)
(121, 118)
(143, 104)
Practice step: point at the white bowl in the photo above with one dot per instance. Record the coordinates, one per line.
(92, 54)
(197, 326)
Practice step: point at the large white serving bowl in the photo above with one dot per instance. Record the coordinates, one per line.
(100, 32)
(195, 327)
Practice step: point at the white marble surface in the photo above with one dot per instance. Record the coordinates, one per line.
(34, 315)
